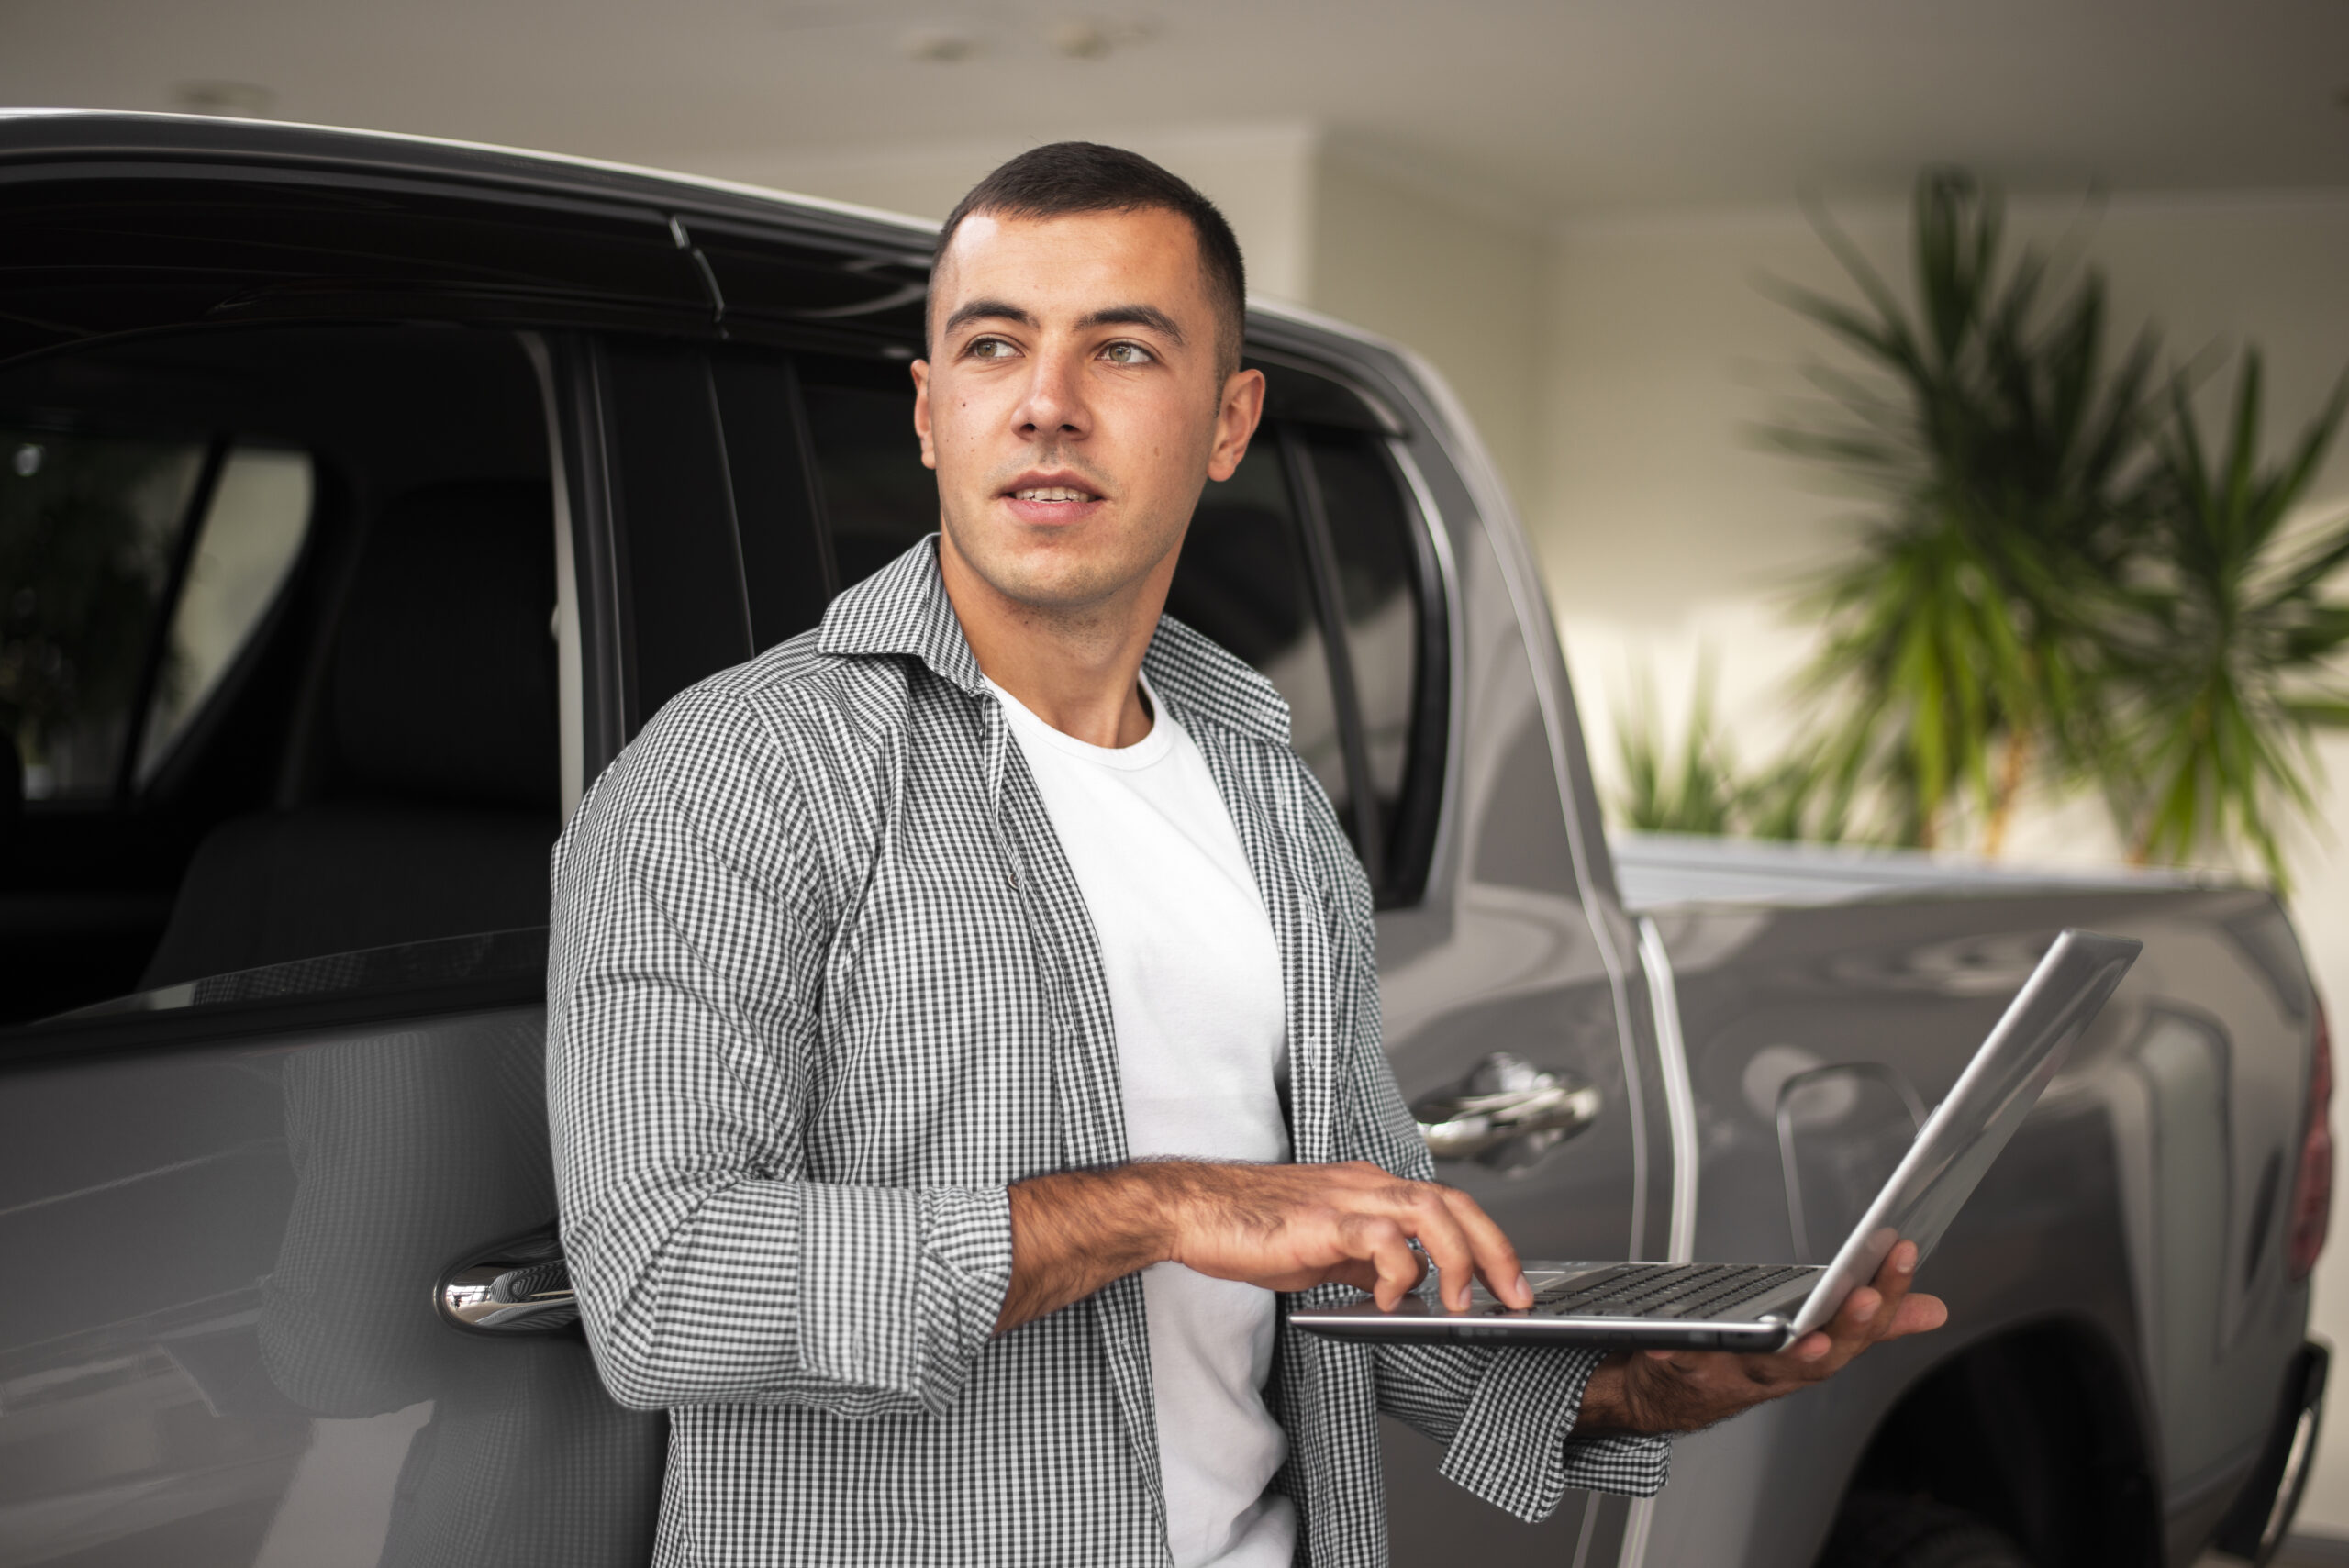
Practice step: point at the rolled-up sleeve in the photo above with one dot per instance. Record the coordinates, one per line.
(691, 930)
(1515, 1447)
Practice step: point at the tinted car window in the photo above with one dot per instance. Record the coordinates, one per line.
(878, 498)
(244, 551)
(88, 530)
(1370, 543)
(1242, 582)
(687, 615)
(325, 635)
(787, 572)
(98, 545)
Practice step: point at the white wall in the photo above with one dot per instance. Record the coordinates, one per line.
(1260, 175)
(1663, 528)
(1448, 272)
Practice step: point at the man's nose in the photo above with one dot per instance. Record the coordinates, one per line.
(1055, 400)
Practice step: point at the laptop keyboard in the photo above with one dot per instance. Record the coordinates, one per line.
(1652, 1290)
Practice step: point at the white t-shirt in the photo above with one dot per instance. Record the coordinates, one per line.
(1195, 992)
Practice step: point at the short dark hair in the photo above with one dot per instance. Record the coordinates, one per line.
(1066, 178)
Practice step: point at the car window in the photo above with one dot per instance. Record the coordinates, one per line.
(88, 530)
(1370, 544)
(878, 497)
(276, 610)
(244, 549)
(788, 570)
(1242, 582)
(97, 549)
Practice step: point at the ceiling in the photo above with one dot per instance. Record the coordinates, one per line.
(1567, 107)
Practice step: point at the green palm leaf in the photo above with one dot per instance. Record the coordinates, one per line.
(1964, 632)
(2225, 657)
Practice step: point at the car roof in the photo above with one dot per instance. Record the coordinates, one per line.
(39, 143)
(51, 135)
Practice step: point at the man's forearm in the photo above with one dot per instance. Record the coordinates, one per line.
(1075, 1232)
(1279, 1226)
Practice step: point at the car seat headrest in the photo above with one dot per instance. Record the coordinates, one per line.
(444, 672)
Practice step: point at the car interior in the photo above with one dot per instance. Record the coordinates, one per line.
(374, 761)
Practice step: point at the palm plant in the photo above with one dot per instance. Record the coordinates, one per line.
(2002, 446)
(1689, 786)
(1696, 785)
(2223, 649)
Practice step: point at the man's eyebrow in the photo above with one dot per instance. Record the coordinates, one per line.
(987, 310)
(1148, 316)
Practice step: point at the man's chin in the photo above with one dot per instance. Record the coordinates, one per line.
(1058, 588)
(1054, 575)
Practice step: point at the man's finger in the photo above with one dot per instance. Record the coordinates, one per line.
(1858, 1311)
(1381, 1242)
(1918, 1315)
(1428, 1217)
(1497, 1259)
(1894, 1278)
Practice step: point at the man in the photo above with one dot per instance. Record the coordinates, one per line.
(964, 1018)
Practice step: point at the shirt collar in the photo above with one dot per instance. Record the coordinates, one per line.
(903, 609)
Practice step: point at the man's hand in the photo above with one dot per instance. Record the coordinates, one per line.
(1285, 1228)
(1682, 1391)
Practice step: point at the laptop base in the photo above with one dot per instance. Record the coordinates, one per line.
(1710, 1307)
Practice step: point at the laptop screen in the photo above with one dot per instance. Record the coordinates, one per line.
(1970, 1128)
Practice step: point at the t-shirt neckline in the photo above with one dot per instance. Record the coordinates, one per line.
(1145, 752)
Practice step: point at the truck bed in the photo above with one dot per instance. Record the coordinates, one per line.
(1659, 869)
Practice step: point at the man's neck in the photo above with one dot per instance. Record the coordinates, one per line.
(1078, 670)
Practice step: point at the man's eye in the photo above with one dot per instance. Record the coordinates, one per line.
(989, 349)
(1127, 354)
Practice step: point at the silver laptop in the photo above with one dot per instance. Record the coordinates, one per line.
(1766, 1306)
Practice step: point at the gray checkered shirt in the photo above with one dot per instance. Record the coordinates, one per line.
(823, 985)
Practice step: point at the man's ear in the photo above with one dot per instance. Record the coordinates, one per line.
(921, 412)
(1235, 422)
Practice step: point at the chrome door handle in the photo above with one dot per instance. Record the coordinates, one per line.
(521, 1287)
(1506, 1111)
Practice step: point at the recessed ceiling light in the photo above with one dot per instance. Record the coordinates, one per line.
(241, 99)
(1081, 39)
(939, 44)
(1090, 37)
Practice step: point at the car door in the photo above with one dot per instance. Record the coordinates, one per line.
(228, 1201)
(287, 535)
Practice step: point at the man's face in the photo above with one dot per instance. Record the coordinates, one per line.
(1072, 405)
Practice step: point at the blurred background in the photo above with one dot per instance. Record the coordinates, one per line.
(1693, 266)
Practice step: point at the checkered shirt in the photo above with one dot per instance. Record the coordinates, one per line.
(823, 987)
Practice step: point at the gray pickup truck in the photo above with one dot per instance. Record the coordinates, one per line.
(360, 497)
